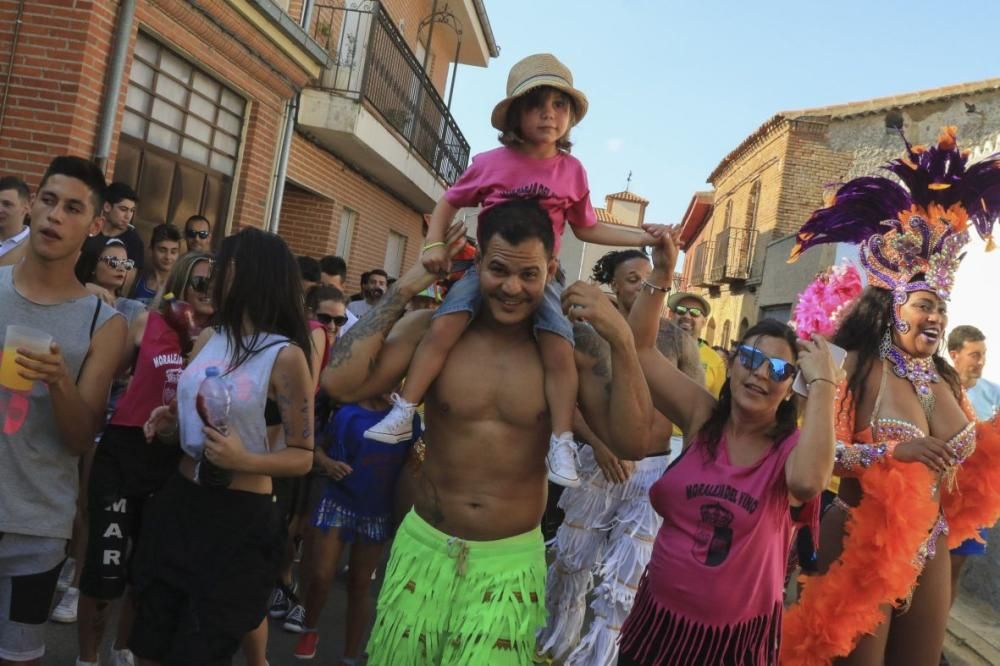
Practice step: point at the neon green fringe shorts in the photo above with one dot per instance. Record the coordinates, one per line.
(454, 602)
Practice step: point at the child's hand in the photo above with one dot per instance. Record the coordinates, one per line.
(436, 260)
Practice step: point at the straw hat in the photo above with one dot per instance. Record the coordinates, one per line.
(681, 295)
(541, 69)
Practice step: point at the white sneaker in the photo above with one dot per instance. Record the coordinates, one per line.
(561, 461)
(65, 612)
(397, 426)
(122, 658)
(66, 575)
(295, 620)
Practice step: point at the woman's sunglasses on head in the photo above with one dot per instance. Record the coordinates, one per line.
(115, 263)
(752, 358)
(683, 310)
(326, 319)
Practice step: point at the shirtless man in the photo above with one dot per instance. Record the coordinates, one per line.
(465, 582)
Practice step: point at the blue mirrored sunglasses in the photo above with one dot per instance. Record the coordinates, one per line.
(779, 370)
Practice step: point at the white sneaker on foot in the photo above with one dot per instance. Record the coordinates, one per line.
(66, 575)
(65, 612)
(561, 460)
(397, 426)
(122, 658)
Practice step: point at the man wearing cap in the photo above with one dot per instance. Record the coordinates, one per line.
(689, 311)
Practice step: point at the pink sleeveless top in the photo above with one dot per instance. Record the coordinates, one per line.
(157, 370)
(713, 588)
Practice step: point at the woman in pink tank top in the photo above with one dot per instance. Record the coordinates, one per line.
(712, 592)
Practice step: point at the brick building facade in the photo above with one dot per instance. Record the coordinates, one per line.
(737, 237)
(204, 98)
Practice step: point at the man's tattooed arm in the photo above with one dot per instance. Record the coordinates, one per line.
(356, 357)
(680, 349)
(613, 397)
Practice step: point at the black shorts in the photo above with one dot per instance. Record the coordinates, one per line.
(126, 471)
(203, 572)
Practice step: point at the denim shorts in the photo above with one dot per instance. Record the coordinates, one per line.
(464, 296)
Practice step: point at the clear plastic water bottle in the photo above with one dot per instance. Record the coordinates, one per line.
(213, 403)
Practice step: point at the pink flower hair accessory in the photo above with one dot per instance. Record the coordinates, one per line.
(823, 304)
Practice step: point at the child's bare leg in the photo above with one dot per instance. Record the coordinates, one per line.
(560, 380)
(431, 354)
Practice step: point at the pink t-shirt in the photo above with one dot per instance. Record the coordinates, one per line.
(718, 567)
(559, 183)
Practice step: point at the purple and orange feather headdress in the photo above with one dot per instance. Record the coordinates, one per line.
(911, 235)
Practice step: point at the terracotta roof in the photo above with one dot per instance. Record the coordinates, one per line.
(627, 196)
(695, 216)
(604, 216)
(851, 109)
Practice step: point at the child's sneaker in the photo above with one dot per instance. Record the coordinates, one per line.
(305, 648)
(397, 426)
(561, 460)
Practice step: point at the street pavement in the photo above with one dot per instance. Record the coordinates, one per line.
(62, 641)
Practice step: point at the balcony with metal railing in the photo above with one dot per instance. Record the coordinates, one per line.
(701, 265)
(733, 260)
(376, 108)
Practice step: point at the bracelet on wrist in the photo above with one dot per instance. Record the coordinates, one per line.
(431, 246)
(821, 379)
(653, 287)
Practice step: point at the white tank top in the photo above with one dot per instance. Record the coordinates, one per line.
(247, 385)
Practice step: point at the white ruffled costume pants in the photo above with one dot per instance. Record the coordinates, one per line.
(608, 530)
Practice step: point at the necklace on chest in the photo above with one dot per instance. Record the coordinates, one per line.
(920, 372)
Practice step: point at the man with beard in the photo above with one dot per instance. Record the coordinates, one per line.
(373, 287)
(466, 576)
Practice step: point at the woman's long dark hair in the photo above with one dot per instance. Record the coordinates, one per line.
(263, 287)
(604, 269)
(861, 332)
(786, 418)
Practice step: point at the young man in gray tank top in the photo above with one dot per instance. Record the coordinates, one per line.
(45, 429)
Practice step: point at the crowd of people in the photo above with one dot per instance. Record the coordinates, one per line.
(201, 430)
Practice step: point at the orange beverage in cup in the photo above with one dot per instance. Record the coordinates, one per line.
(20, 337)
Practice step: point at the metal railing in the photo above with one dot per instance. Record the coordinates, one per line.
(701, 264)
(733, 258)
(372, 62)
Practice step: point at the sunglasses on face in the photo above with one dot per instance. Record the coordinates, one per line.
(326, 319)
(191, 233)
(115, 263)
(752, 358)
(683, 310)
(200, 283)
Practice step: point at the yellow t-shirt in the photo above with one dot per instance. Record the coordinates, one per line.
(715, 372)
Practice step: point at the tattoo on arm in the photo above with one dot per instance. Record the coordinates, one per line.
(377, 321)
(685, 348)
(669, 340)
(589, 343)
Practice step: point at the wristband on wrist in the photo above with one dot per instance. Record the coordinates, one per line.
(431, 246)
(821, 379)
(653, 287)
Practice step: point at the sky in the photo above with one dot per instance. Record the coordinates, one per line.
(674, 86)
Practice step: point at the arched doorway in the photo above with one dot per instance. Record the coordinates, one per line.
(724, 340)
(710, 332)
(744, 326)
